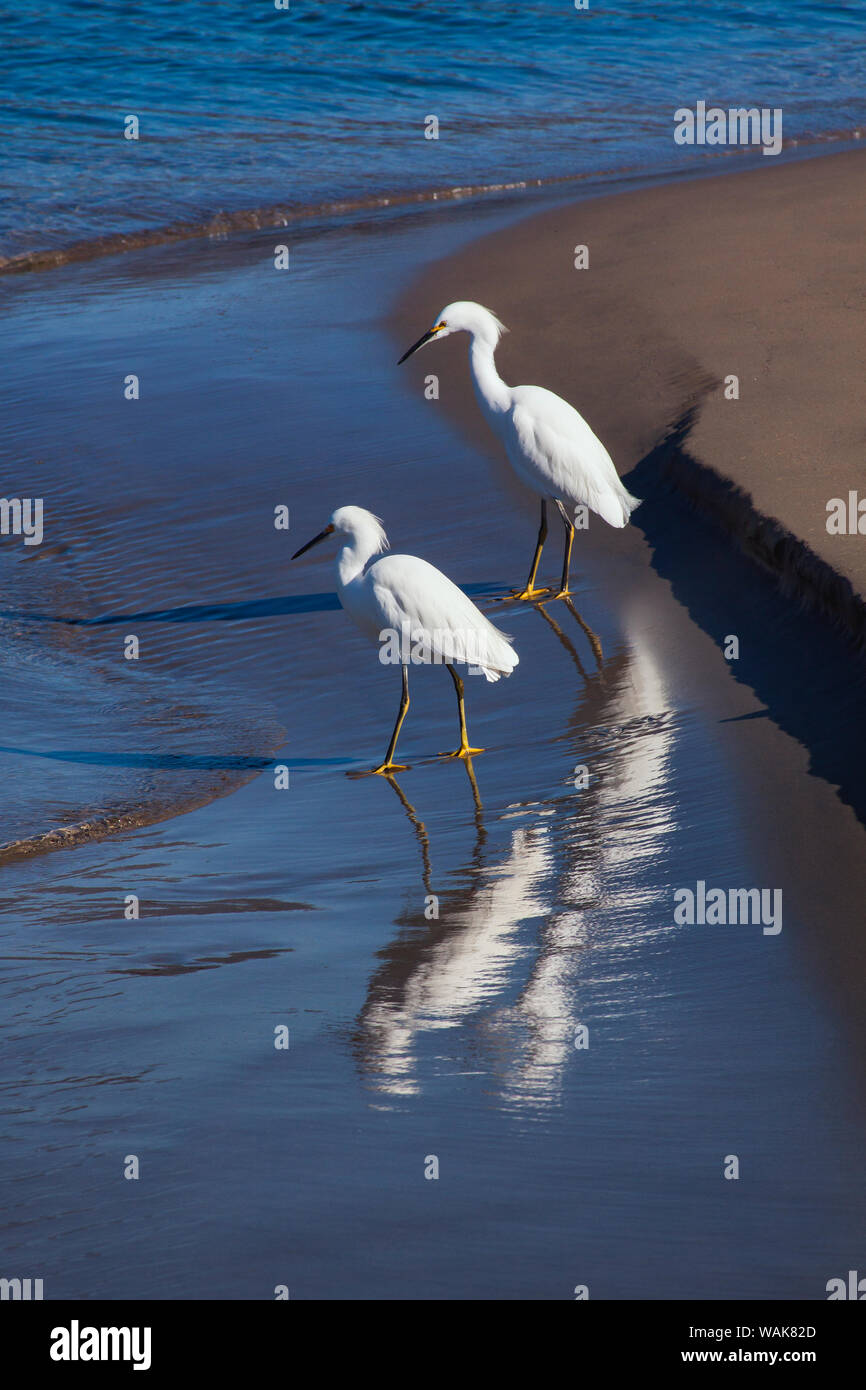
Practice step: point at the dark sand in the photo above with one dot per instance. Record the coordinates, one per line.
(759, 274)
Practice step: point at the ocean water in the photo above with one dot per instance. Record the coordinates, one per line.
(246, 109)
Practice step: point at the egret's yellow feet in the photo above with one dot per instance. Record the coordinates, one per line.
(464, 752)
(528, 595)
(387, 769)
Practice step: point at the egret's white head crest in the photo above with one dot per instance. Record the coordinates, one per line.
(463, 316)
(356, 522)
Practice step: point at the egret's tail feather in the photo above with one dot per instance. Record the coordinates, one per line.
(481, 645)
(629, 503)
(616, 507)
(506, 659)
(493, 673)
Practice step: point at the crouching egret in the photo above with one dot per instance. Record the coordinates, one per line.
(549, 446)
(415, 610)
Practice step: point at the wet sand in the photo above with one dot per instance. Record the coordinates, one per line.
(306, 908)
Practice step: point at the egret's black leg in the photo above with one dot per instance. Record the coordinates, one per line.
(569, 541)
(530, 592)
(389, 765)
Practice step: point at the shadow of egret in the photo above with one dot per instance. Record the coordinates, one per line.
(795, 661)
(291, 605)
(166, 762)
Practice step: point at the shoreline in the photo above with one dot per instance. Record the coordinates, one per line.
(799, 572)
(686, 279)
(223, 223)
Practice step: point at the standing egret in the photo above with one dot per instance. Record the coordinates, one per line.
(549, 446)
(401, 600)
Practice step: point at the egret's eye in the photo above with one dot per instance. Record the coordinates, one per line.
(443, 324)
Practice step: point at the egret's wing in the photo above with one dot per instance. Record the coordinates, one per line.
(439, 615)
(561, 445)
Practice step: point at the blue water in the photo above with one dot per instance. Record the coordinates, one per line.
(247, 107)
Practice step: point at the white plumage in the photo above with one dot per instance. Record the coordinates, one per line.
(383, 595)
(549, 445)
(413, 611)
(554, 450)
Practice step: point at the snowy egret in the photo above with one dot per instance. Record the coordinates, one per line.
(414, 611)
(550, 447)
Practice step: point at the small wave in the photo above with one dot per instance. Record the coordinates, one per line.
(276, 215)
(223, 224)
(89, 753)
(113, 823)
(203, 779)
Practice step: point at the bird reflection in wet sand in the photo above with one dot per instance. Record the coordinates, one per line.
(501, 966)
(443, 973)
(594, 640)
(421, 830)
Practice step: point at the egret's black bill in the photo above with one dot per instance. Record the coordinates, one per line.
(425, 338)
(323, 535)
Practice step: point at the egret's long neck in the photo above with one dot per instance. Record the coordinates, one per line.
(354, 554)
(491, 390)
